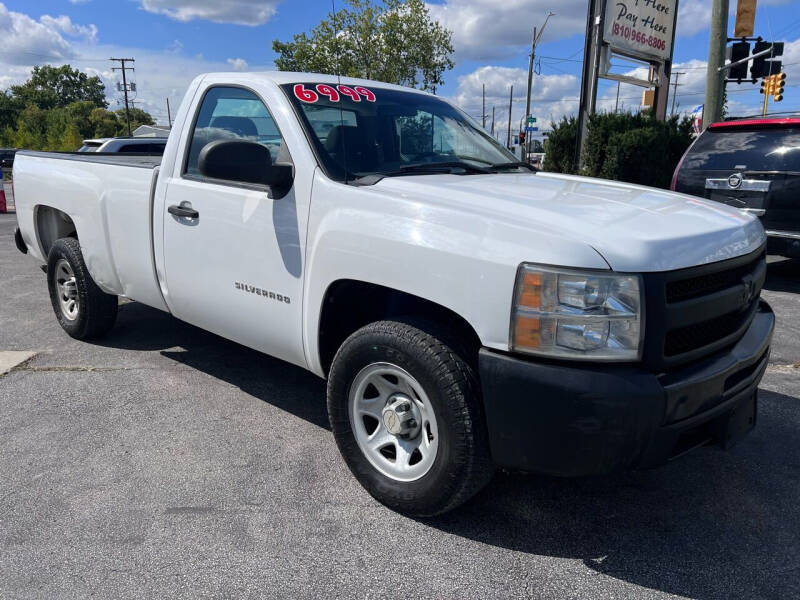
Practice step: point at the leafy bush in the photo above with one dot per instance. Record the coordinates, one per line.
(636, 148)
(560, 146)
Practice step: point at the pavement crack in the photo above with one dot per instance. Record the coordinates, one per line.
(79, 369)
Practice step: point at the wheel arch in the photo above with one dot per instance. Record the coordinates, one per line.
(349, 304)
(51, 224)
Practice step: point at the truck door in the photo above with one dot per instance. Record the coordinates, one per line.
(232, 250)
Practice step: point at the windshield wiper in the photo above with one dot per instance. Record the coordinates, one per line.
(513, 165)
(446, 166)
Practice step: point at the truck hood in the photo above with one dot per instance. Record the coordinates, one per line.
(634, 228)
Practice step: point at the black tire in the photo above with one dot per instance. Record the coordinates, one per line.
(462, 465)
(96, 311)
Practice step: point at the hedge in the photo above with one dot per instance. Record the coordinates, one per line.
(636, 148)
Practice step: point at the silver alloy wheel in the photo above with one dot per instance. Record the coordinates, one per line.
(67, 290)
(393, 421)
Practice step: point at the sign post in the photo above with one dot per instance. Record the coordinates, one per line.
(643, 30)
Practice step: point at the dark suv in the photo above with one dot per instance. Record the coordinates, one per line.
(7, 157)
(754, 165)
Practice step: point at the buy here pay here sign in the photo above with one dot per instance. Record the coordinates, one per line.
(640, 27)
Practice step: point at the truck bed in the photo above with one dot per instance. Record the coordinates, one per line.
(108, 197)
(129, 159)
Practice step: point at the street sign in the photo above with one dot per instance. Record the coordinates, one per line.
(531, 120)
(531, 128)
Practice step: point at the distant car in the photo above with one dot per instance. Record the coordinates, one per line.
(92, 145)
(125, 144)
(754, 165)
(7, 157)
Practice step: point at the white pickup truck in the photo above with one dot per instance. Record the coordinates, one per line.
(467, 311)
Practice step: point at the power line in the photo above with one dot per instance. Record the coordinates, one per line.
(62, 58)
(556, 58)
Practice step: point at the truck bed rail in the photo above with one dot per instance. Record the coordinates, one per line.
(128, 159)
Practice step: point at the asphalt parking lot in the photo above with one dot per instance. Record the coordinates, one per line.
(165, 462)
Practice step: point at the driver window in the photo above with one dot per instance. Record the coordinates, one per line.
(232, 114)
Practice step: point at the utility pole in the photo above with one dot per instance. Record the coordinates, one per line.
(534, 41)
(123, 68)
(530, 71)
(675, 85)
(712, 109)
(483, 106)
(492, 131)
(169, 115)
(510, 100)
(616, 104)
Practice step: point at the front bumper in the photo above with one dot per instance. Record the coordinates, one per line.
(783, 243)
(584, 419)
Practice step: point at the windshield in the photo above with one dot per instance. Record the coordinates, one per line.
(360, 132)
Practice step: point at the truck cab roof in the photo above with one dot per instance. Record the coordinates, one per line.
(289, 77)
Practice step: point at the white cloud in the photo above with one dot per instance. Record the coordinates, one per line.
(64, 24)
(491, 30)
(25, 40)
(552, 96)
(240, 12)
(238, 64)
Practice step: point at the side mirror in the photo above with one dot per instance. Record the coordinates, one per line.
(243, 161)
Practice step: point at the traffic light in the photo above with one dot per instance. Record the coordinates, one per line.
(773, 85)
(778, 83)
(763, 66)
(521, 137)
(738, 51)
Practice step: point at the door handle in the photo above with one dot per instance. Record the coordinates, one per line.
(185, 211)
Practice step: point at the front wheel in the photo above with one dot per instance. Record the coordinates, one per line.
(407, 417)
(83, 310)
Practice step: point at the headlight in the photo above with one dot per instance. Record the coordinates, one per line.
(563, 313)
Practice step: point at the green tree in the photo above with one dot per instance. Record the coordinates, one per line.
(395, 41)
(79, 115)
(103, 123)
(10, 107)
(56, 87)
(138, 117)
(31, 132)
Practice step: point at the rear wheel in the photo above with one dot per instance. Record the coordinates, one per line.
(407, 416)
(83, 310)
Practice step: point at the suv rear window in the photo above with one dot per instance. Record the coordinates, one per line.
(750, 149)
(153, 148)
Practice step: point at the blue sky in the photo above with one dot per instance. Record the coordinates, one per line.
(173, 40)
